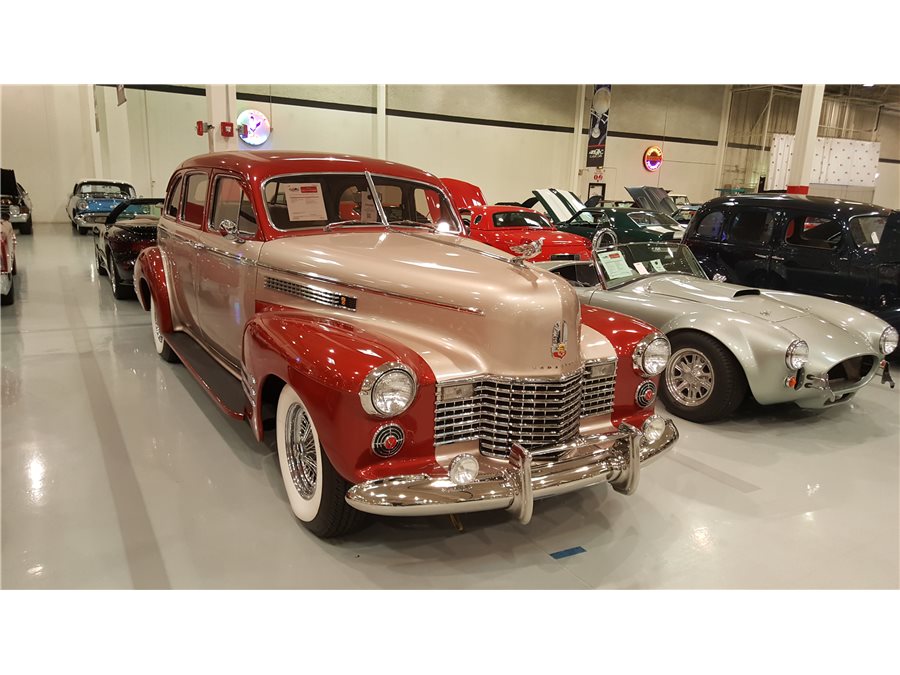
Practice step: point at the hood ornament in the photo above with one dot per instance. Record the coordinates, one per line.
(559, 339)
(527, 251)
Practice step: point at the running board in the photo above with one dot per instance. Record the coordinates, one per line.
(223, 387)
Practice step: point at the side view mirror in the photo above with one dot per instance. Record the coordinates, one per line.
(229, 230)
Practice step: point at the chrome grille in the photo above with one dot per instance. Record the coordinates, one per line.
(534, 413)
(311, 293)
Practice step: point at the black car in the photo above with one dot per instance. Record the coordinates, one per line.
(837, 249)
(127, 230)
(15, 204)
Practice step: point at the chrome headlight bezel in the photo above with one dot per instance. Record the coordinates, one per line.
(796, 355)
(639, 358)
(888, 335)
(82, 205)
(368, 390)
(13, 210)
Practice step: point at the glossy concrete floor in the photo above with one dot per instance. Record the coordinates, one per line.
(118, 472)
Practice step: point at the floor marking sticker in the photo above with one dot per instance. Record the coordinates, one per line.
(565, 553)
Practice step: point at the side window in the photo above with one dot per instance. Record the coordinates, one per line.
(751, 227)
(196, 185)
(246, 217)
(711, 226)
(174, 199)
(226, 202)
(813, 231)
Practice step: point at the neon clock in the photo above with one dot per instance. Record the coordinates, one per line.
(253, 127)
(653, 157)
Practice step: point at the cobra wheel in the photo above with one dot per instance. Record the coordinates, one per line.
(315, 490)
(120, 292)
(162, 347)
(702, 381)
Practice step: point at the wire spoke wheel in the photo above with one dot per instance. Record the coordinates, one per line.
(301, 451)
(690, 377)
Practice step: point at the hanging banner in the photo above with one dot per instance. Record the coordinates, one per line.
(599, 124)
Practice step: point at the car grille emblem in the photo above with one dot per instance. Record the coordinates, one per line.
(560, 339)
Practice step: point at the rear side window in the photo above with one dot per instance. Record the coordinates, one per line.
(710, 227)
(867, 230)
(174, 199)
(813, 231)
(751, 227)
(196, 186)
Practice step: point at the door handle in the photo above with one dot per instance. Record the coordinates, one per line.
(777, 258)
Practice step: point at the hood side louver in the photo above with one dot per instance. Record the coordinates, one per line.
(746, 291)
(311, 293)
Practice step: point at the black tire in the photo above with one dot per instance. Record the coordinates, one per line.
(725, 390)
(166, 353)
(322, 509)
(120, 292)
(82, 231)
(10, 297)
(101, 270)
(26, 227)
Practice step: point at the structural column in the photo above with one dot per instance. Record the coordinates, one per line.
(578, 150)
(381, 121)
(221, 106)
(805, 138)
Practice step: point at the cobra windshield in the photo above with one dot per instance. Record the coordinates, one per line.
(625, 263)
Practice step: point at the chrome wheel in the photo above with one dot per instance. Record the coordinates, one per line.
(300, 444)
(689, 377)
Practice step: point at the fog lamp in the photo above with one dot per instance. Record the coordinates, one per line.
(463, 469)
(653, 428)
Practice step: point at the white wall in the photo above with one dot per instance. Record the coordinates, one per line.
(45, 136)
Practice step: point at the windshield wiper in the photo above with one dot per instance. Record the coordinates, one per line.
(353, 223)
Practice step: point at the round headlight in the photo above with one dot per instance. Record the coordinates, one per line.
(888, 341)
(82, 204)
(651, 355)
(13, 210)
(797, 354)
(388, 390)
(464, 469)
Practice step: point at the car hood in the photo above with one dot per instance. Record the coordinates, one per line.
(552, 238)
(99, 205)
(8, 185)
(729, 297)
(653, 198)
(463, 195)
(459, 303)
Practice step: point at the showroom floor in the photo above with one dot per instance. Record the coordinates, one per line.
(119, 472)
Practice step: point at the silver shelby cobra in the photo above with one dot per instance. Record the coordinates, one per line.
(727, 339)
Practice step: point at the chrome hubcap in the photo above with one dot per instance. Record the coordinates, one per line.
(300, 445)
(689, 377)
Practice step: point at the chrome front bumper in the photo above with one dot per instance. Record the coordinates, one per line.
(614, 458)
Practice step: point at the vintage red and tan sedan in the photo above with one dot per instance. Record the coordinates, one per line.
(404, 370)
(7, 262)
(513, 229)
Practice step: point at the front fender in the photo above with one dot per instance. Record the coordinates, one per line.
(326, 361)
(150, 279)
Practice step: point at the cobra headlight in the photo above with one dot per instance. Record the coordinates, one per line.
(797, 355)
(651, 355)
(388, 390)
(888, 341)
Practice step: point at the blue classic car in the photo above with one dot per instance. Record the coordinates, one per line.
(92, 199)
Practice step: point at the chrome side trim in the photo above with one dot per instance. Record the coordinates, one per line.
(366, 289)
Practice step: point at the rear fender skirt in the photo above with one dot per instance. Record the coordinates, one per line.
(151, 268)
(326, 361)
(623, 332)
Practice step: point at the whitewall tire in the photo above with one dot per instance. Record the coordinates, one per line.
(315, 490)
(159, 341)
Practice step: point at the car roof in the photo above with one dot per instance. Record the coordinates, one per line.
(263, 164)
(103, 180)
(806, 202)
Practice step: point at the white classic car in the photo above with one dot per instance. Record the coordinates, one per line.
(727, 339)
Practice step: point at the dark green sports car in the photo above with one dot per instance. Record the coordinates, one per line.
(630, 224)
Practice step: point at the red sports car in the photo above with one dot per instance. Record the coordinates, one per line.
(514, 229)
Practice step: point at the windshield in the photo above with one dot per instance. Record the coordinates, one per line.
(106, 190)
(647, 218)
(629, 262)
(316, 200)
(520, 219)
(589, 217)
(680, 200)
(867, 230)
(132, 211)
